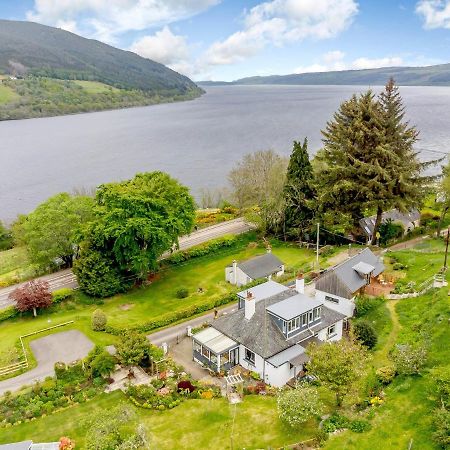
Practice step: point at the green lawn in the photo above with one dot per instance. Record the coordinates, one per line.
(7, 94)
(95, 87)
(15, 265)
(195, 424)
(147, 303)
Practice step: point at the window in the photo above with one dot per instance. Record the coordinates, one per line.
(304, 319)
(197, 347)
(331, 299)
(331, 331)
(317, 313)
(205, 352)
(214, 358)
(294, 324)
(249, 356)
(310, 316)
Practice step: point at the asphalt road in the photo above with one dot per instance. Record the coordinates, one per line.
(66, 279)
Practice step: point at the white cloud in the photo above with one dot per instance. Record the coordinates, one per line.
(335, 60)
(104, 19)
(68, 25)
(163, 47)
(436, 13)
(279, 22)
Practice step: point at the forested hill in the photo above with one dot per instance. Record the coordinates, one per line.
(438, 75)
(34, 49)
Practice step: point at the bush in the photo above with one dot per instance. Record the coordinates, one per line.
(60, 369)
(335, 422)
(182, 293)
(321, 437)
(398, 266)
(8, 313)
(359, 426)
(441, 425)
(61, 295)
(390, 230)
(365, 333)
(386, 374)
(366, 304)
(103, 364)
(184, 385)
(98, 320)
(409, 360)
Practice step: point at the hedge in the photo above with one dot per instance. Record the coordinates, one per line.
(181, 314)
(61, 294)
(8, 313)
(202, 250)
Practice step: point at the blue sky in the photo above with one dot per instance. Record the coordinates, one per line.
(230, 39)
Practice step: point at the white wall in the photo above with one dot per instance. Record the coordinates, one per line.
(241, 277)
(257, 367)
(323, 334)
(279, 376)
(345, 306)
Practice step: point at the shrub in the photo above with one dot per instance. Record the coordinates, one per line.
(441, 425)
(365, 333)
(60, 369)
(8, 313)
(359, 426)
(321, 437)
(335, 422)
(98, 320)
(398, 266)
(61, 295)
(182, 293)
(365, 304)
(390, 230)
(386, 374)
(103, 364)
(409, 360)
(296, 406)
(184, 385)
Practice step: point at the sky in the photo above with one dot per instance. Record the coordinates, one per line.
(231, 39)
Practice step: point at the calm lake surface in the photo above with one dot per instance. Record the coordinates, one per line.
(196, 141)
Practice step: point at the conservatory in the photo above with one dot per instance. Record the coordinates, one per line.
(214, 350)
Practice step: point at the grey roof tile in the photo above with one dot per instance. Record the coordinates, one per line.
(395, 215)
(261, 266)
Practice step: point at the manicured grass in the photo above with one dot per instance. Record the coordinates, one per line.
(95, 87)
(14, 263)
(7, 94)
(144, 304)
(195, 424)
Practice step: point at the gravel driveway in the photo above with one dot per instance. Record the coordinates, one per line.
(66, 346)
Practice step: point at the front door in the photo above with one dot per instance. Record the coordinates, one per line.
(234, 357)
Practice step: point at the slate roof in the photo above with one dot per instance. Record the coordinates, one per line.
(264, 290)
(261, 266)
(260, 334)
(343, 280)
(368, 223)
(25, 445)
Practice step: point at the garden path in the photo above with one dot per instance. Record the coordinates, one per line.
(381, 357)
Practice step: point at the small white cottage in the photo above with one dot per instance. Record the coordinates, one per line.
(264, 266)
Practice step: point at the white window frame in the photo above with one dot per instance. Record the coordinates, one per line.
(331, 331)
(304, 319)
(293, 324)
(310, 316)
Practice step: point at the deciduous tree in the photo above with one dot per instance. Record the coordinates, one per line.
(51, 231)
(132, 348)
(31, 296)
(337, 365)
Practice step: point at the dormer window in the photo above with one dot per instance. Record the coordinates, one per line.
(317, 312)
(293, 324)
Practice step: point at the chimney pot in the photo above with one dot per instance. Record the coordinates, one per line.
(249, 306)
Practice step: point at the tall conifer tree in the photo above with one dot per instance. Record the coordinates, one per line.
(300, 193)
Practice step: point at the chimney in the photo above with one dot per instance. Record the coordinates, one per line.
(249, 306)
(300, 283)
(234, 272)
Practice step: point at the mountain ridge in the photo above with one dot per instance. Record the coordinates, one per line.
(433, 75)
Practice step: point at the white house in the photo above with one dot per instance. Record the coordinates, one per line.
(264, 266)
(269, 333)
(28, 445)
(338, 286)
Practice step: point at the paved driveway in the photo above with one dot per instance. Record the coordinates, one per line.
(66, 346)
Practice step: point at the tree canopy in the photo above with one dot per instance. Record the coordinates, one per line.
(51, 231)
(136, 221)
(299, 192)
(368, 162)
(31, 296)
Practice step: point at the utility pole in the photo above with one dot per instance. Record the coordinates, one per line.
(446, 249)
(317, 247)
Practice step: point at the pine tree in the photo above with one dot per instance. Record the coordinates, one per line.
(299, 192)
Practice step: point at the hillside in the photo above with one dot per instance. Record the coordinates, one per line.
(47, 61)
(438, 75)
